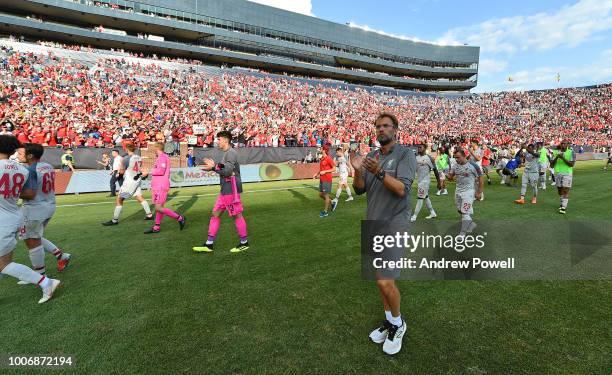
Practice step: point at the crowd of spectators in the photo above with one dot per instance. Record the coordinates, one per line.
(55, 101)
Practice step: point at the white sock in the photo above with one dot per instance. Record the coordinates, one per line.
(145, 206)
(51, 248)
(564, 202)
(396, 320)
(429, 206)
(348, 191)
(466, 220)
(25, 273)
(388, 315)
(37, 257)
(338, 193)
(418, 207)
(117, 213)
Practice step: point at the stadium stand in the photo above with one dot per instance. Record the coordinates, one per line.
(61, 95)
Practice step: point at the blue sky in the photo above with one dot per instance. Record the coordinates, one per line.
(530, 41)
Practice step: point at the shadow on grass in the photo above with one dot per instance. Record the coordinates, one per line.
(183, 208)
(173, 195)
(298, 195)
(312, 187)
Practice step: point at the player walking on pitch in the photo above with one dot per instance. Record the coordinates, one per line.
(229, 198)
(343, 171)
(475, 154)
(469, 187)
(160, 184)
(531, 174)
(443, 166)
(425, 164)
(563, 162)
(38, 211)
(386, 176)
(326, 169)
(132, 179)
(16, 182)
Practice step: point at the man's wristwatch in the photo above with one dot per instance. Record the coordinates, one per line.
(381, 174)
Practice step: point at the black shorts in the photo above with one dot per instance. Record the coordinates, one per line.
(325, 187)
(508, 172)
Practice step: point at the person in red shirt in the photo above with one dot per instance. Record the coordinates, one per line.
(486, 162)
(23, 137)
(326, 169)
(52, 139)
(38, 136)
(61, 134)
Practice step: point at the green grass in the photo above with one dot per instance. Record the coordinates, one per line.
(295, 302)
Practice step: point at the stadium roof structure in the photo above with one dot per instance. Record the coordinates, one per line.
(242, 33)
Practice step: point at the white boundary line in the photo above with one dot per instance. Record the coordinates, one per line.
(189, 196)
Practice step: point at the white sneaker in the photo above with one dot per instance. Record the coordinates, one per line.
(445, 192)
(439, 192)
(349, 199)
(413, 218)
(431, 216)
(552, 183)
(379, 335)
(502, 182)
(393, 342)
(48, 291)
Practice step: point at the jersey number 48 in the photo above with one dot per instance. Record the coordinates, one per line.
(11, 189)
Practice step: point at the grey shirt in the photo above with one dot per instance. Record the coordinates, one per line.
(231, 167)
(532, 163)
(42, 207)
(425, 164)
(400, 163)
(478, 152)
(466, 175)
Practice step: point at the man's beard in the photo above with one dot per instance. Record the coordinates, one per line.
(384, 139)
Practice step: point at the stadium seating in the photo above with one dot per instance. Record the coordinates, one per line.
(81, 96)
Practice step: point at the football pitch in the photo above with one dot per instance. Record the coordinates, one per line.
(295, 302)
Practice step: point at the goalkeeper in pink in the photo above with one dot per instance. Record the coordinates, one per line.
(160, 184)
(229, 198)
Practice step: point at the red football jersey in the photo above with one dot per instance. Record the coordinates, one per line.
(325, 164)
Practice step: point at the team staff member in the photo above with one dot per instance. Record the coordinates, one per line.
(326, 169)
(386, 176)
(116, 176)
(67, 161)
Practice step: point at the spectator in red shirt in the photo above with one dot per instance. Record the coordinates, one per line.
(326, 170)
(38, 136)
